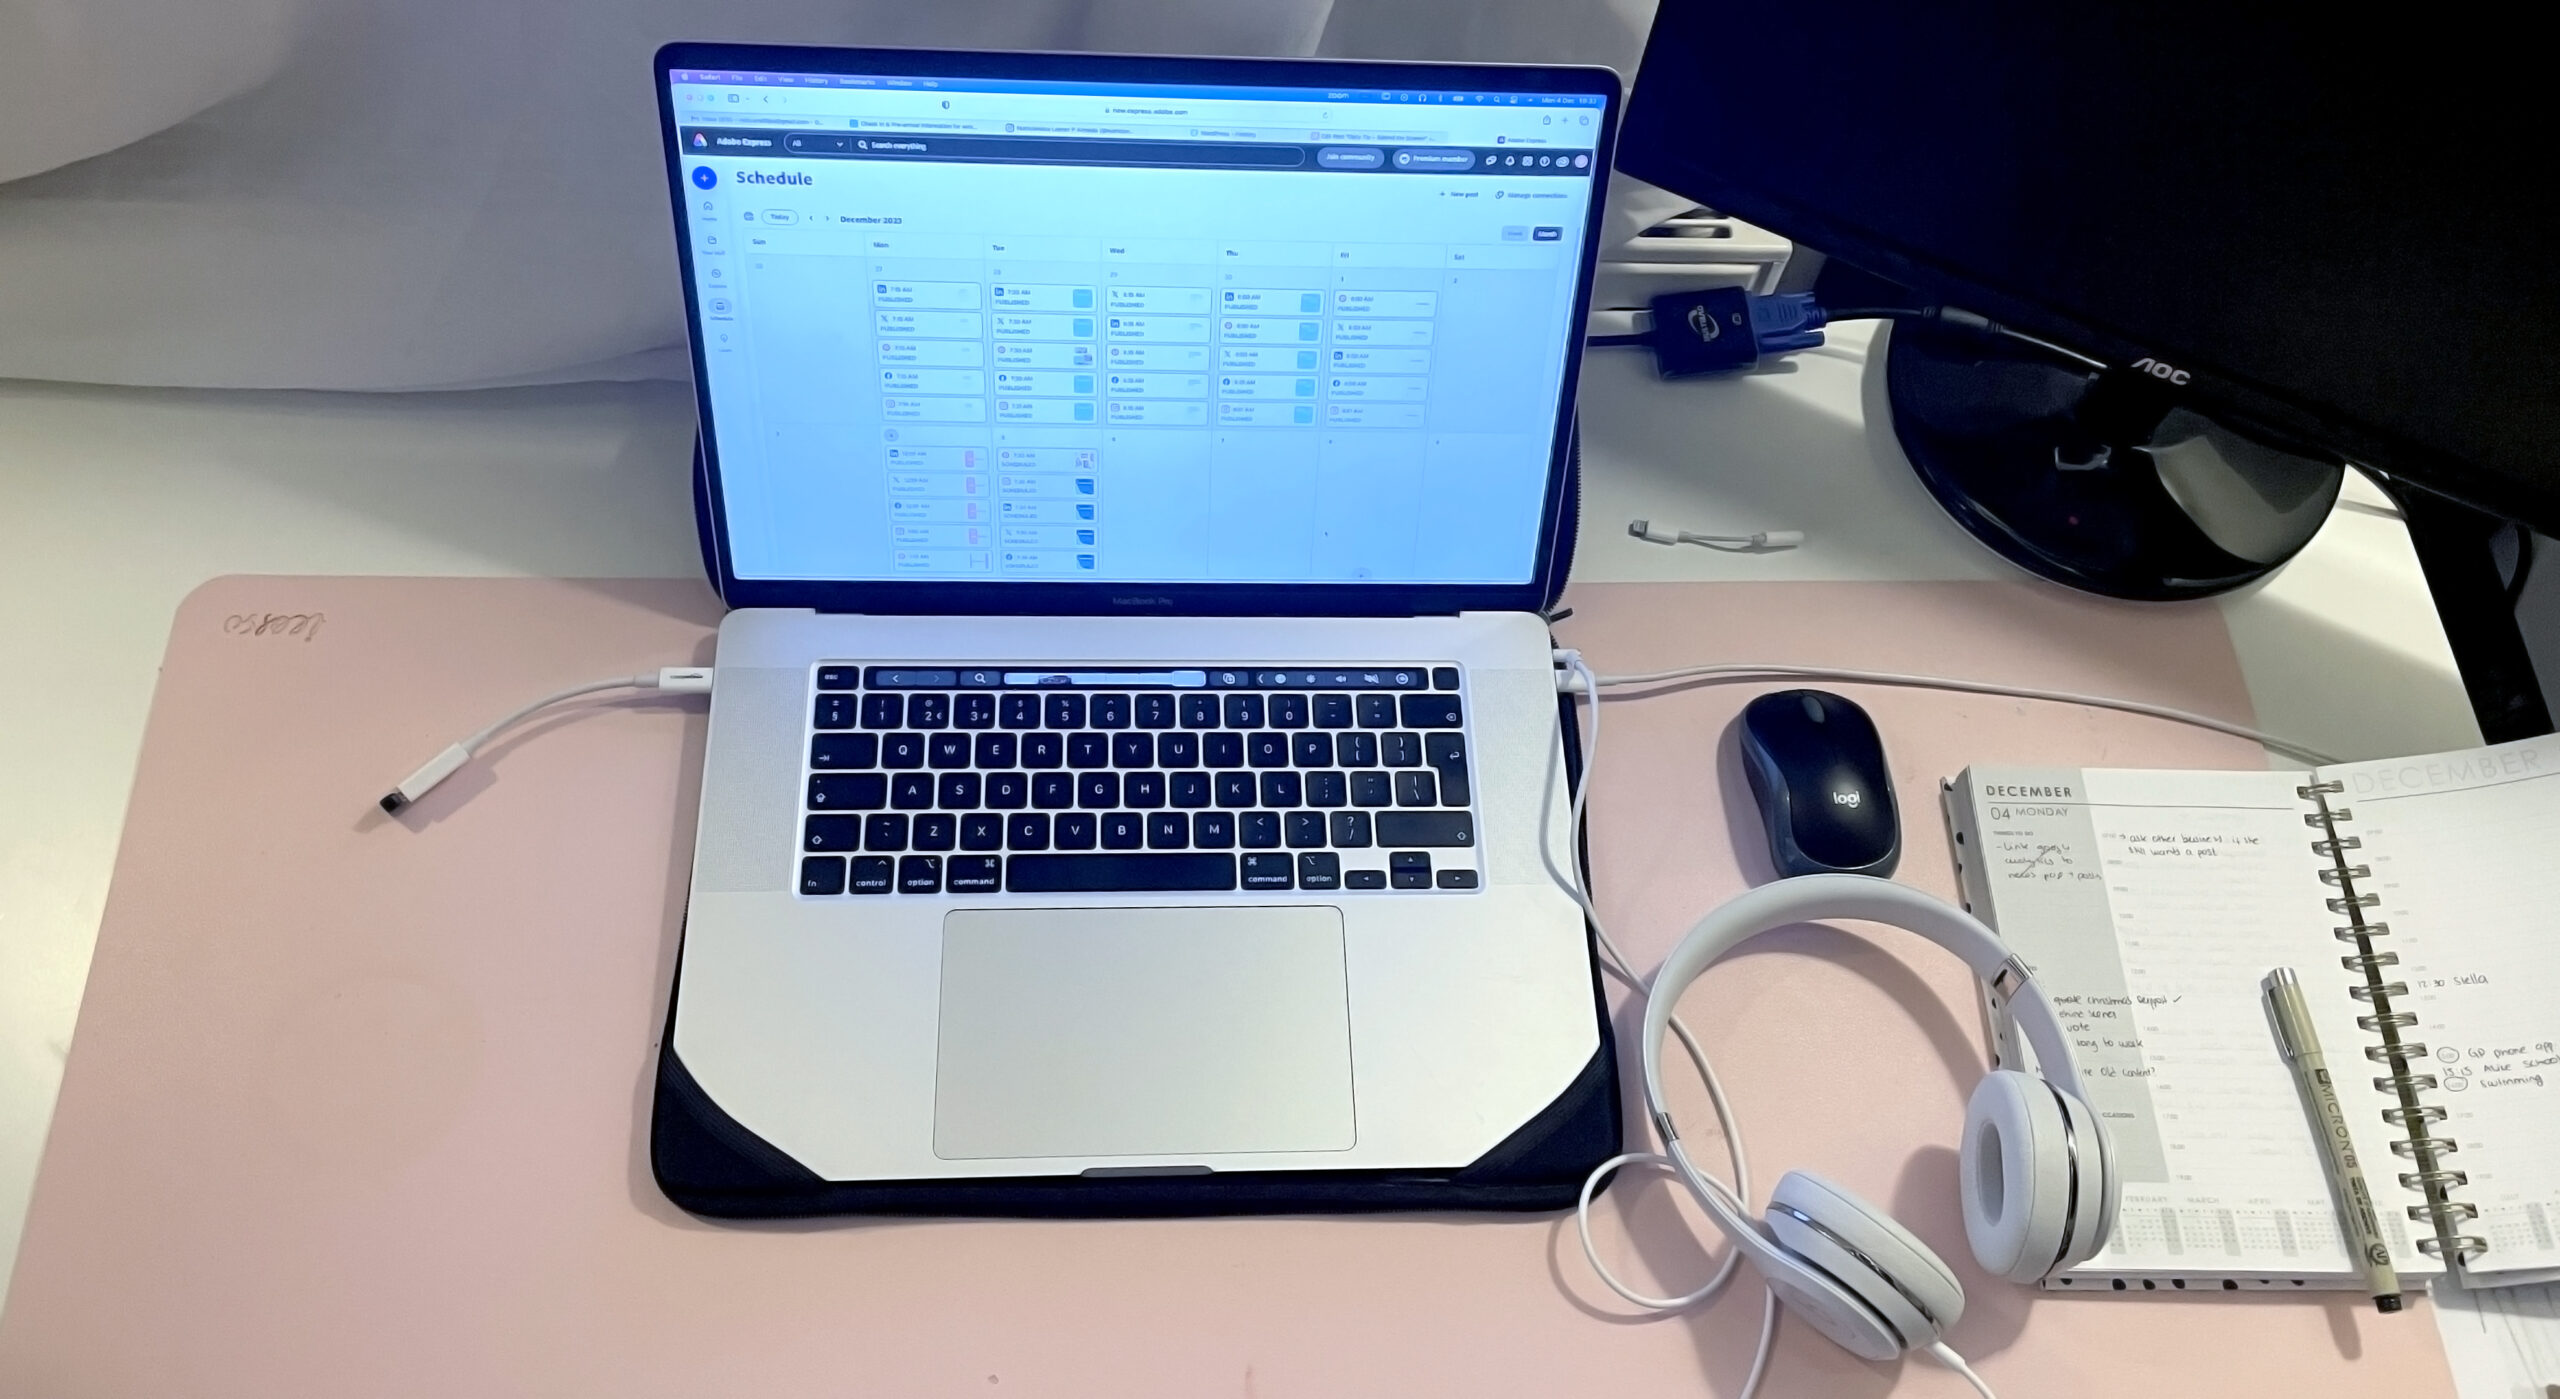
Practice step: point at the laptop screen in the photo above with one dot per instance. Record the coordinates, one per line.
(985, 330)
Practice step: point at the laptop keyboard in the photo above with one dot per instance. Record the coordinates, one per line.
(1010, 780)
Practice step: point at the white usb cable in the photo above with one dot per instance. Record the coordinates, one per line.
(674, 680)
(1756, 542)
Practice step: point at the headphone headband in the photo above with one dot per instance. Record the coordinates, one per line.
(1814, 897)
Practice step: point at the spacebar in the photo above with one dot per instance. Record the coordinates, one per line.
(1118, 874)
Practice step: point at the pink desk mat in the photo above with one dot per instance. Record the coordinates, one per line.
(358, 1106)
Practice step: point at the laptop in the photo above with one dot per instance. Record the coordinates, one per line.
(1135, 780)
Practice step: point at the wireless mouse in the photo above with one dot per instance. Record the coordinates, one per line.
(1817, 769)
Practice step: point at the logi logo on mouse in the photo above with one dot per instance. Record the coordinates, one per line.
(1845, 798)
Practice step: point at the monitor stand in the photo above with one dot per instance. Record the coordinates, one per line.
(2095, 478)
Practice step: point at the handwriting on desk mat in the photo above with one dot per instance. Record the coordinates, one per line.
(304, 625)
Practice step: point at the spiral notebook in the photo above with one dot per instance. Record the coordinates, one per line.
(2413, 896)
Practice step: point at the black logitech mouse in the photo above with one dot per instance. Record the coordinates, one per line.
(1817, 769)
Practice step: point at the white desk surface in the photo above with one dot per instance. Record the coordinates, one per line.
(114, 504)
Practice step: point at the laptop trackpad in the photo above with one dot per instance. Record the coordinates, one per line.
(1174, 1032)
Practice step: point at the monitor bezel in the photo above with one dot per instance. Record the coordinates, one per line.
(1134, 596)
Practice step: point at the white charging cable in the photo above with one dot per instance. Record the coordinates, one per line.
(674, 680)
(1758, 542)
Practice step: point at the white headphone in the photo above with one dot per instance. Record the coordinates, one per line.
(2038, 1185)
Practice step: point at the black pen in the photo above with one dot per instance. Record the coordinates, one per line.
(2291, 1017)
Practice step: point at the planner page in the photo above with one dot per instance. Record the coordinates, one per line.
(2150, 905)
(2461, 846)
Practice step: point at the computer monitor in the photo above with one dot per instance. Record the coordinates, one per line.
(2324, 232)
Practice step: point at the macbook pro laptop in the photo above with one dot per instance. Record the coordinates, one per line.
(1135, 779)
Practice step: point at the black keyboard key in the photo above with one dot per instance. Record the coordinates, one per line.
(959, 791)
(1066, 711)
(1288, 711)
(1457, 879)
(1356, 750)
(974, 874)
(1018, 711)
(1008, 791)
(1429, 711)
(902, 750)
(1222, 750)
(1111, 711)
(1213, 830)
(1376, 711)
(843, 750)
(928, 711)
(1409, 870)
(1168, 830)
(1400, 750)
(1153, 711)
(1269, 871)
(939, 831)
(1098, 791)
(1258, 830)
(1281, 789)
(947, 750)
(1244, 711)
(997, 750)
(1304, 830)
(1123, 830)
(884, 833)
(919, 874)
(839, 677)
(835, 712)
(1372, 789)
(1415, 788)
(1312, 750)
(883, 711)
(1043, 750)
(973, 711)
(1178, 750)
(829, 833)
(1136, 750)
(822, 874)
(1088, 750)
(872, 874)
(1028, 831)
(1438, 828)
(1333, 711)
(1074, 830)
(1143, 789)
(1235, 789)
(1446, 753)
(1267, 750)
(1190, 788)
(1319, 869)
(1444, 677)
(1351, 830)
(1326, 789)
(1052, 791)
(982, 830)
(848, 791)
(1188, 872)
(1199, 711)
(911, 791)
(1364, 879)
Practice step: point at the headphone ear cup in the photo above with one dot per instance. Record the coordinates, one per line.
(2038, 1189)
(1861, 1247)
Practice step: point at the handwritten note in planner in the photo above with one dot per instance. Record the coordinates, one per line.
(2151, 904)
(2461, 846)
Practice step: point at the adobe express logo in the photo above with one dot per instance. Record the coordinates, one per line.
(704, 177)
